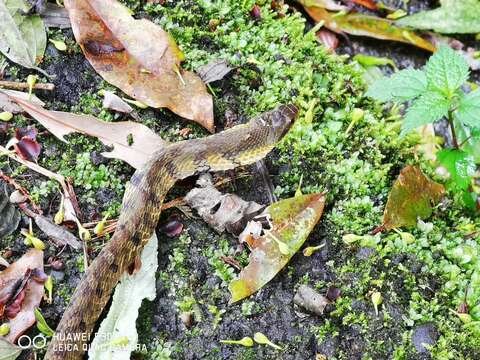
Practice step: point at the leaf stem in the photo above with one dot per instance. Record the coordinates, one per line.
(452, 128)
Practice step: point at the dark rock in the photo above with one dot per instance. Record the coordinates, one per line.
(424, 334)
(328, 346)
(364, 253)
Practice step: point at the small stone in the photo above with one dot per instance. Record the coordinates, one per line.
(17, 197)
(424, 334)
(186, 318)
(310, 300)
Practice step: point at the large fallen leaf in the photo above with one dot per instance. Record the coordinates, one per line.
(8, 351)
(453, 17)
(291, 221)
(412, 197)
(117, 336)
(366, 25)
(22, 38)
(140, 58)
(34, 291)
(132, 142)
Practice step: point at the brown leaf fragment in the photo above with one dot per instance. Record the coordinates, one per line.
(114, 102)
(311, 300)
(132, 142)
(412, 196)
(7, 104)
(214, 71)
(33, 291)
(57, 233)
(290, 223)
(140, 58)
(221, 211)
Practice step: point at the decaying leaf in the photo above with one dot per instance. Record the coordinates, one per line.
(453, 16)
(412, 197)
(140, 58)
(34, 291)
(214, 71)
(132, 142)
(9, 215)
(7, 104)
(8, 351)
(120, 321)
(22, 38)
(221, 211)
(26, 145)
(57, 233)
(291, 221)
(366, 25)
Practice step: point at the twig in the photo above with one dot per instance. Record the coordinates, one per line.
(20, 188)
(452, 128)
(24, 85)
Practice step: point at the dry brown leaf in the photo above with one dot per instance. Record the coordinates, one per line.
(132, 142)
(34, 291)
(57, 233)
(140, 58)
(114, 102)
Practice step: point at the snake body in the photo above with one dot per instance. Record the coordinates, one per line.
(141, 208)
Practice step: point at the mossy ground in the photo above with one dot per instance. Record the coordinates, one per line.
(276, 61)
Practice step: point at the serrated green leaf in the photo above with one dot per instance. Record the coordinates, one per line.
(468, 110)
(8, 351)
(428, 108)
(401, 86)
(460, 165)
(117, 336)
(454, 16)
(470, 138)
(22, 38)
(446, 71)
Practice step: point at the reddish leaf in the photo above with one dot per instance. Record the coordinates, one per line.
(29, 132)
(412, 197)
(138, 57)
(28, 149)
(172, 227)
(291, 221)
(369, 4)
(328, 39)
(33, 290)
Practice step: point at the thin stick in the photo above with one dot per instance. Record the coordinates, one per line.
(24, 85)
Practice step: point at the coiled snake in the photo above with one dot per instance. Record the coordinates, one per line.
(141, 207)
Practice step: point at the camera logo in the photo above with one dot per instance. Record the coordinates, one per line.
(38, 342)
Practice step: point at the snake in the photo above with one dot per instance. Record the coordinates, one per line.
(239, 145)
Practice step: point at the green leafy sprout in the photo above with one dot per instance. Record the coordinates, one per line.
(436, 93)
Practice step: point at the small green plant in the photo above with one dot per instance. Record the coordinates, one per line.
(436, 93)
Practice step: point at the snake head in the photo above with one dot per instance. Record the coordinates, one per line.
(280, 120)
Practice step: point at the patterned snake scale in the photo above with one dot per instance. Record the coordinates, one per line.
(141, 207)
